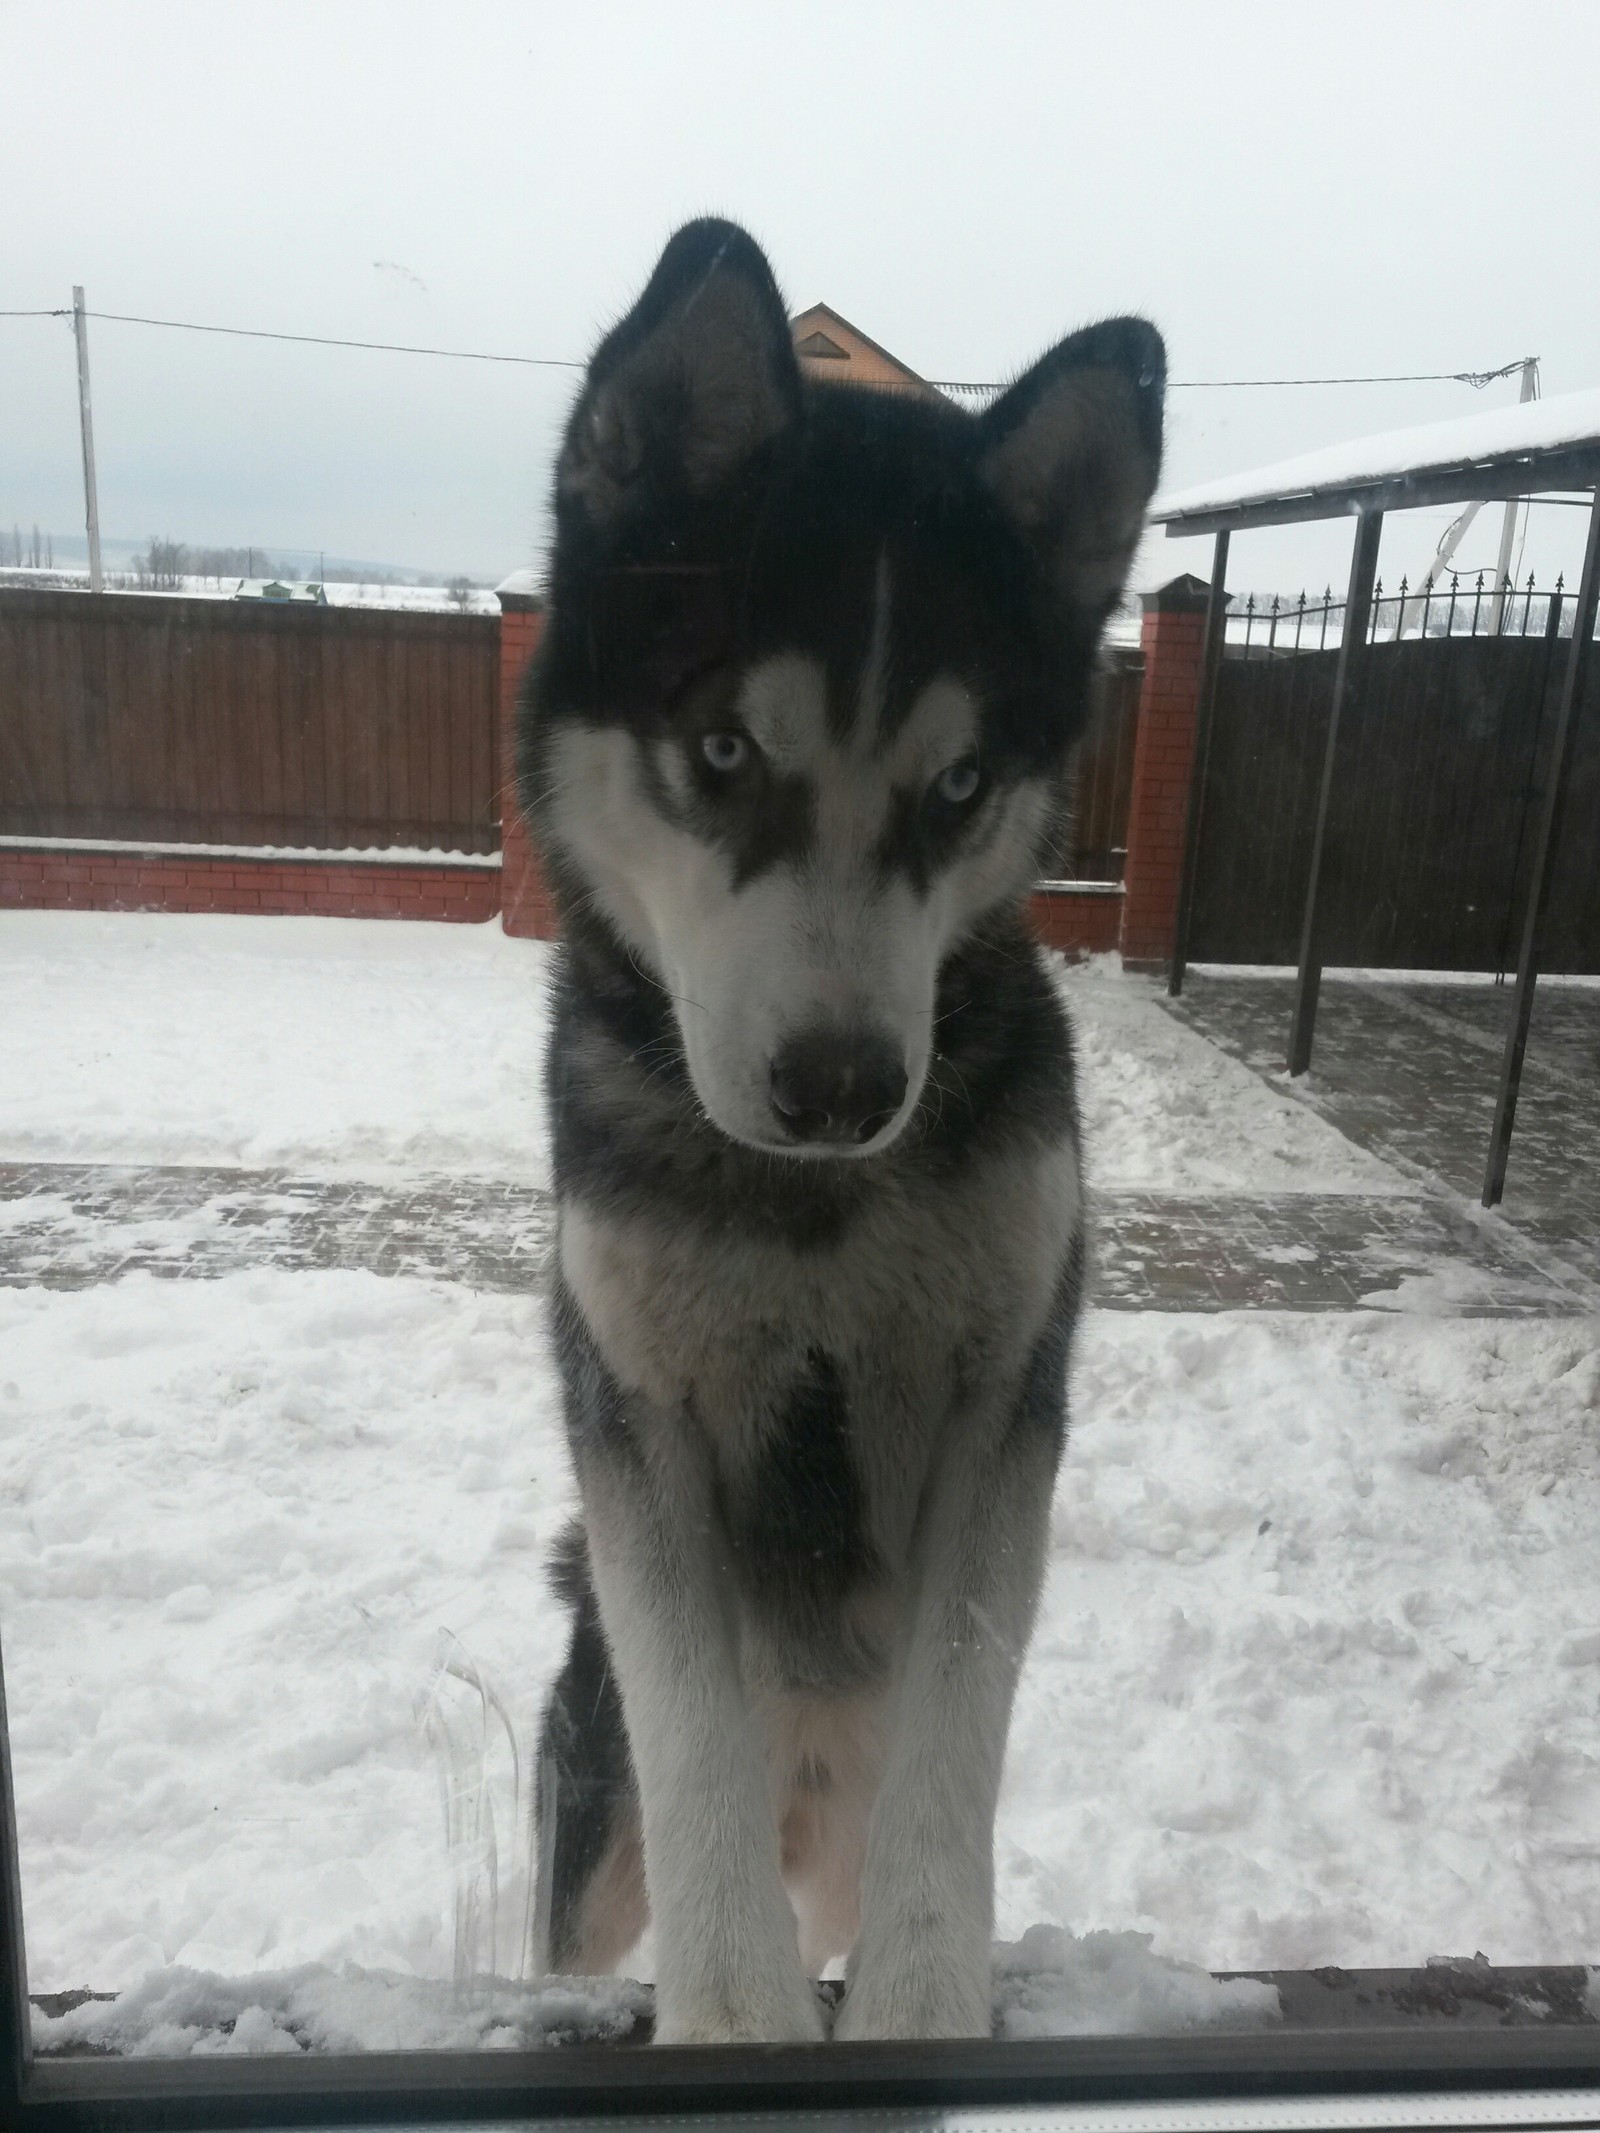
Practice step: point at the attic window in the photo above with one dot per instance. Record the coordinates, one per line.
(818, 344)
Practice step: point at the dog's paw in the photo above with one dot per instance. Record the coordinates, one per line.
(782, 2014)
(916, 1990)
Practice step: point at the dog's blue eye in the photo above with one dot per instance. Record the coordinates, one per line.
(957, 785)
(725, 751)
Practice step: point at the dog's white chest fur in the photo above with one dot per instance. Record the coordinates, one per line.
(919, 1273)
(936, 1286)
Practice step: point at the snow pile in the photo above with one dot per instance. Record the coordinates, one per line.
(428, 855)
(1318, 1662)
(152, 1038)
(179, 2014)
(276, 1621)
(1165, 1111)
(1049, 1984)
(1046, 1985)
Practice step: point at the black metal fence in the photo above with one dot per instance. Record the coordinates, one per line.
(1442, 761)
(1262, 626)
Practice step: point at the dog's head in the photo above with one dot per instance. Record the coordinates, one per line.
(815, 659)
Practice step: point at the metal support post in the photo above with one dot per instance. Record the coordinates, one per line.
(1544, 858)
(1530, 792)
(1352, 652)
(1508, 524)
(91, 503)
(1210, 666)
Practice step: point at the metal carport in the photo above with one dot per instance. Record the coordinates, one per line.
(1536, 448)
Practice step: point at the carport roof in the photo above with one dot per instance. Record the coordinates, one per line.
(1506, 451)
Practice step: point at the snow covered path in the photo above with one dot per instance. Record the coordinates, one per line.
(68, 1225)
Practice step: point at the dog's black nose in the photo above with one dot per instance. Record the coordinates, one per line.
(837, 1084)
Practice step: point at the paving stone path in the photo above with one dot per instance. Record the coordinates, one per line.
(73, 1225)
(1410, 1072)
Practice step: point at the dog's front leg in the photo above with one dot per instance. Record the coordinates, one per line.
(921, 1967)
(727, 1958)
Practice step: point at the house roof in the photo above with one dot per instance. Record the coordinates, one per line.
(1506, 451)
(824, 320)
(302, 592)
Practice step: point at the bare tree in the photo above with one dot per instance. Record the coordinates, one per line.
(461, 591)
(218, 563)
(161, 567)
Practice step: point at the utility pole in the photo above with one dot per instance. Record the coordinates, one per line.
(1508, 528)
(1415, 605)
(91, 505)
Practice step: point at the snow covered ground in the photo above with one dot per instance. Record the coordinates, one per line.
(327, 1043)
(1316, 1681)
(1165, 1111)
(339, 1044)
(1317, 1678)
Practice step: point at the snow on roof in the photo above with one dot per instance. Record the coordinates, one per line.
(522, 585)
(1321, 482)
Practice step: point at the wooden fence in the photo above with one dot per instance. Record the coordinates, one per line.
(1094, 843)
(134, 717)
(1441, 768)
(230, 722)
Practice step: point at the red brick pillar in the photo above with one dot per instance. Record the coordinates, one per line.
(525, 907)
(1163, 759)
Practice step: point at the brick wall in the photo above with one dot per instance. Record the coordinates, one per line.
(526, 908)
(54, 878)
(1078, 921)
(1163, 760)
(1141, 920)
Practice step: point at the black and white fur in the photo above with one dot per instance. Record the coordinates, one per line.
(791, 749)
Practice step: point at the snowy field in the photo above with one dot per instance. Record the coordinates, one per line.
(1318, 1672)
(339, 592)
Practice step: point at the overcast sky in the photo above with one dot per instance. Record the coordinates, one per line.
(1293, 189)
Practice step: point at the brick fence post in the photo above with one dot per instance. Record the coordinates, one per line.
(1163, 761)
(525, 907)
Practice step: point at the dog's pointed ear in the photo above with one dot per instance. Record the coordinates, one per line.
(1072, 451)
(694, 381)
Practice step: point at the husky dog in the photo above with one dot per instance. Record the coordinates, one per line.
(791, 749)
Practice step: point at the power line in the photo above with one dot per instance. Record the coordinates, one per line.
(311, 340)
(1475, 378)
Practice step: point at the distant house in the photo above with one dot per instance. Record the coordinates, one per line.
(830, 347)
(282, 593)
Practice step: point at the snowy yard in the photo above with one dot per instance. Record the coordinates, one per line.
(1318, 1674)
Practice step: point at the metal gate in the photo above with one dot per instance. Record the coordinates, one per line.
(1442, 760)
